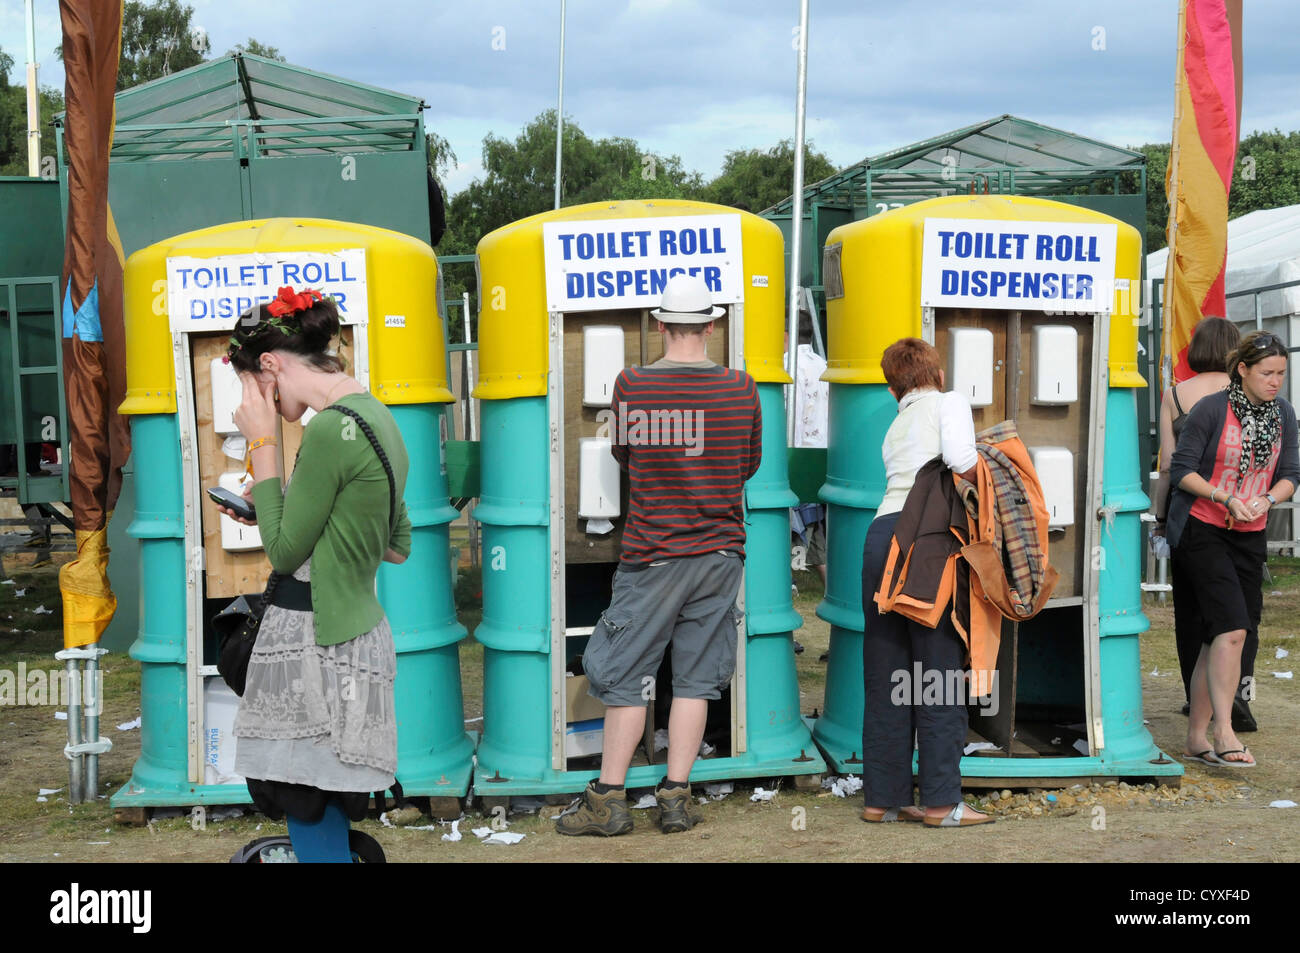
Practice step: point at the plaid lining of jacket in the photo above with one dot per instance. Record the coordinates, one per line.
(1003, 572)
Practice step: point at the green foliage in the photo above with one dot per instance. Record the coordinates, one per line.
(755, 179)
(519, 179)
(257, 49)
(1267, 175)
(13, 119)
(442, 158)
(158, 40)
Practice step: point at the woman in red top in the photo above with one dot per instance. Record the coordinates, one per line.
(1237, 457)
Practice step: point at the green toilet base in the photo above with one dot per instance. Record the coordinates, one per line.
(649, 775)
(449, 781)
(1157, 764)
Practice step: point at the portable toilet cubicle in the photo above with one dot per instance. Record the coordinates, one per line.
(566, 299)
(1033, 307)
(183, 297)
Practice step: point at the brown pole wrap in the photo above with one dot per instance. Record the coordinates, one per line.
(94, 347)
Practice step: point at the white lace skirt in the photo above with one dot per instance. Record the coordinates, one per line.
(318, 715)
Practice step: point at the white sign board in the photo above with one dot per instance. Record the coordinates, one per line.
(625, 262)
(209, 294)
(1032, 266)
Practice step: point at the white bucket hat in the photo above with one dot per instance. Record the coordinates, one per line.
(686, 300)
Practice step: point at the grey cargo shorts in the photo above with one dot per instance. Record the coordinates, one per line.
(689, 602)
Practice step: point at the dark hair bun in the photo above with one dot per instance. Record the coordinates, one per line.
(319, 323)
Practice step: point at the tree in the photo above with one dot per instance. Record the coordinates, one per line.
(1267, 175)
(442, 158)
(13, 120)
(755, 179)
(158, 40)
(257, 49)
(519, 178)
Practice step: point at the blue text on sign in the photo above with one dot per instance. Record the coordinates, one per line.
(1011, 245)
(642, 282)
(636, 243)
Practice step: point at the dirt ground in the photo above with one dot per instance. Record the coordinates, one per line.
(1219, 815)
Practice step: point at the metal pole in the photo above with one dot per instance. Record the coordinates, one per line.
(1169, 311)
(76, 766)
(796, 219)
(470, 430)
(559, 112)
(33, 100)
(90, 694)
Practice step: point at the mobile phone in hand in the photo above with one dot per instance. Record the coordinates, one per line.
(232, 501)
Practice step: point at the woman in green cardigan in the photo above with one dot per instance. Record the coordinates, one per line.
(316, 727)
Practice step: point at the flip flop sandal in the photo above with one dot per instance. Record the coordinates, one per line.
(891, 816)
(957, 817)
(1225, 763)
(1204, 757)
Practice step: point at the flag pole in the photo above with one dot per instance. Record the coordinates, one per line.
(559, 112)
(796, 222)
(1173, 188)
(33, 100)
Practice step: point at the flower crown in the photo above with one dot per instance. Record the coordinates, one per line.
(286, 303)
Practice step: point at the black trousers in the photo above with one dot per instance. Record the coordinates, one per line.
(914, 685)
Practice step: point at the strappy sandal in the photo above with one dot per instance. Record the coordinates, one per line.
(1225, 763)
(958, 817)
(890, 816)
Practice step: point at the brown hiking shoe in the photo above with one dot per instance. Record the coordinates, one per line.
(591, 813)
(676, 810)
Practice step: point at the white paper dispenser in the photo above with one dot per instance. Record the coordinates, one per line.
(970, 364)
(227, 394)
(1055, 378)
(602, 359)
(1055, 468)
(598, 479)
(236, 537)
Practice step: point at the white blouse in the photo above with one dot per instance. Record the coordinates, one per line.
(929, 424)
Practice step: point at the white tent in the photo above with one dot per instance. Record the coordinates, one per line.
(1263, 249)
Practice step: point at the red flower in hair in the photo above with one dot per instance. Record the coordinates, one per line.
(289, 302)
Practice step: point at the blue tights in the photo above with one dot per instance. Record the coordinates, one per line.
(323, 842)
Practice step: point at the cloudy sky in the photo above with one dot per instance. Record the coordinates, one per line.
(697, 78)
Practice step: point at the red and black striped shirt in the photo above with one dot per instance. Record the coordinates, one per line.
(689, 438)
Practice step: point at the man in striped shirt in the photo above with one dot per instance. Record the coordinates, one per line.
(689, 434)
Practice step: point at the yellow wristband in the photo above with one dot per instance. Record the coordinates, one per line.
(261, 442)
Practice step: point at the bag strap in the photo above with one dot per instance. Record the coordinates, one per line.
(383, 459)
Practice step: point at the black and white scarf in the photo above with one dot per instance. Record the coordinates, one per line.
(1261, 425)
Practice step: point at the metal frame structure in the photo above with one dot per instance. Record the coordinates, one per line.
(1003, 155)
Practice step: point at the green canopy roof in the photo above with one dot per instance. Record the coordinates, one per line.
(199, 113)
(1015, 154)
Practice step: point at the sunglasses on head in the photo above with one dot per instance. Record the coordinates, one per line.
(1267, 340)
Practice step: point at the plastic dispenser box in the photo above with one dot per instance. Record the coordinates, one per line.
(1055, 467)
(1055, 378)
(970, 364)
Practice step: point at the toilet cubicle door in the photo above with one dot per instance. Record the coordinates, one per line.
(1078, 426)
(220, 569)
(569, 421)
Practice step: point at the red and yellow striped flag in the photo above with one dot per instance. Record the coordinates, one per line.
(1207, 118)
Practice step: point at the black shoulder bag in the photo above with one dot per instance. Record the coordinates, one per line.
(236, 625)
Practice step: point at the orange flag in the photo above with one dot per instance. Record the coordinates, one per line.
(1207, 117)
